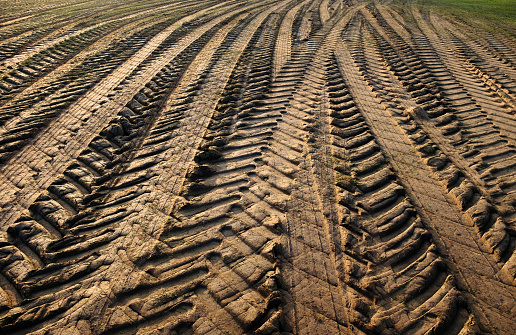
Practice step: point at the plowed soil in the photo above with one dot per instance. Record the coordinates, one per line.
(255, 167)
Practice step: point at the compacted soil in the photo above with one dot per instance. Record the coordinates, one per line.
(255, 167)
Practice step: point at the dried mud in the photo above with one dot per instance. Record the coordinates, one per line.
(243, 167)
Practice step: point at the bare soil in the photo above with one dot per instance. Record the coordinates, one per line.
(255, 167)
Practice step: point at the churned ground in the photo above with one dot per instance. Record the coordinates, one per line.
(256, 167)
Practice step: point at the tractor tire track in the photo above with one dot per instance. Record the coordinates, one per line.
(329, 167)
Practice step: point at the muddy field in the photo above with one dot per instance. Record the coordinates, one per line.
(255, 167)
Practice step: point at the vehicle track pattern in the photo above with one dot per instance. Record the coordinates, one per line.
(243, 167)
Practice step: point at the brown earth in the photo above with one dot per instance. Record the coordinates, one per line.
(255, 167)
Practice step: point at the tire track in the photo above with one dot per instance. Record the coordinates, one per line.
(475, 196)
(175, 281)
(50, 153)
(495, 76)
(18, 79)
(49, 62)
(287, 167)
(69, 88)
(283, 49)
(306, 23)
(305, 244)
(195, 243)
(324, 11)
(447, 233)
(489, 165)
(14, 60)
(240, 158)
(381, 205)
(62, 211)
